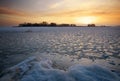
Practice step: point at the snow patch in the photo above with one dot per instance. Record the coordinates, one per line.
(34, 69)
(43, 71)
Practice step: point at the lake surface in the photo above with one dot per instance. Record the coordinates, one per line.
(66, 45)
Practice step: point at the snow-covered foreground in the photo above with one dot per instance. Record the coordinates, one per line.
(44, 69)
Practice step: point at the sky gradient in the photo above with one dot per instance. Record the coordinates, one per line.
(80, 12)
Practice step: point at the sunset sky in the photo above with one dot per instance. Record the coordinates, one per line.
(80, 12)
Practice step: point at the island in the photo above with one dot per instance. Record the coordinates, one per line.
(46, 24)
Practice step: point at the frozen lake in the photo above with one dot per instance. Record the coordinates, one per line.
(64, 45)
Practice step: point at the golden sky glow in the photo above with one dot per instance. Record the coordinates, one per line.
(80, 12)
(86, 19)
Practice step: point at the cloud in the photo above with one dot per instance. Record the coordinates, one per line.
(76, 13)
(54, 5)
(8, 11)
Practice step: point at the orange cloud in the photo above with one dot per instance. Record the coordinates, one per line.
(8, 11)
(76, 13)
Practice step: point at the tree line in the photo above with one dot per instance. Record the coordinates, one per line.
(44, 23)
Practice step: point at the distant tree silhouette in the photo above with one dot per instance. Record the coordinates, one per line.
(25, 24)
(53, 24)
(91, 25)
(72, 25)
(64, 25)
(35, 24)
(44, 23)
